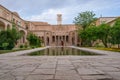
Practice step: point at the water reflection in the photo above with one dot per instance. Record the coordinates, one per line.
(59, 51)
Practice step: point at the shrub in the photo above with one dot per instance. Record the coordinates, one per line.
(21, 46)
(5, 45)
(25, 46)
(8, 38)
(34, 40)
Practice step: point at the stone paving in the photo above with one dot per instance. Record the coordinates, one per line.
(13, 66)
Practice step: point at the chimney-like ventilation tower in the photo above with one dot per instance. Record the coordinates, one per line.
(59, 19)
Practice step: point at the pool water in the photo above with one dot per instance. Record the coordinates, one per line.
(60, 51)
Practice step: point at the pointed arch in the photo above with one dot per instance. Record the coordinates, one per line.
(22, 40)
(2, 26)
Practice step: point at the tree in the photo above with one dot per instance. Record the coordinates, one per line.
(84, 19)
(93, 33)
(103, 33)
(16, 33)
(8, 39)
(89, 35)
(34, 41)
(115, 33)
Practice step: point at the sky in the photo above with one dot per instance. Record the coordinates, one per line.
(46, 10)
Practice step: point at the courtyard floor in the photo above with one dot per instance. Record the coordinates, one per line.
(13, 66)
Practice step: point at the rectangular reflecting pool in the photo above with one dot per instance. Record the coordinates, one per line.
(60, 51)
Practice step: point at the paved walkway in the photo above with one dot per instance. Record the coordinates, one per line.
(13, 66)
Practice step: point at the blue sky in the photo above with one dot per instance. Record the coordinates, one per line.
(46, 10)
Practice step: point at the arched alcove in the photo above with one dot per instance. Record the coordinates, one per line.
(8, 26)
(48, 40)
(22, 40)
(2, 26)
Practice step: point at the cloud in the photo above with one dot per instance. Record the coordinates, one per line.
(69, 12)
(46, 10)
(49, 15)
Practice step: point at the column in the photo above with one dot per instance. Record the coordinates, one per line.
(58, 40)
(5, 27)
(65, 40)
(25, 37)
(55, 40)
(45, 38)
(70, 39)
(50, 41)
(75, 39)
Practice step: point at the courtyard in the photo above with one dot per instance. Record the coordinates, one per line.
(37, 43)
(16, 66)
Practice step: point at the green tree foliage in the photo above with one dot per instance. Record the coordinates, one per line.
(8, 38)
(34, 41)
(16, 34)
(89, 35)
(103, 33)
(84, 19)
(115, 33)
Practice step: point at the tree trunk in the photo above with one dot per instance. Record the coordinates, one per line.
(118, 45)
(105, 43)
(109, 45)
(92, 42)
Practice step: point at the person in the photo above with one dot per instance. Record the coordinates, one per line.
(62, 43)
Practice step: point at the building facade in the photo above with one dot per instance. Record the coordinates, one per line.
(7, 18)
(52, 35)
(56, 35)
